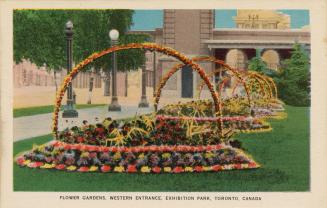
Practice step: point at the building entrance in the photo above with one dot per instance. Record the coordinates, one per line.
(187, 82)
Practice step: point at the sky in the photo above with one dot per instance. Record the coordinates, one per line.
(151, 19)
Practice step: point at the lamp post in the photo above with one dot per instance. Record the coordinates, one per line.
(154, 74)
(114, 105)
(143, 103)
(69, 111)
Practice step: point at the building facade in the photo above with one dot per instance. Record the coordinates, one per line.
(265, 33)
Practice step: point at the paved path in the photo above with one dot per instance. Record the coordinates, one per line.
(38, 125)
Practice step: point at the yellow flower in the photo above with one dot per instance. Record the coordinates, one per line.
(26, 162)
(167, 169)
(85, 154)
(206, 168)
(117, 156)
(209, 155)
(93, 168)
(119, 169)
(47, 166)
(244, 165)
(141, 156)
(145, 169)
(188, 169)
(71, 168)
(166, 155)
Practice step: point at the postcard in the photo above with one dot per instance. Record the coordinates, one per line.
(132, 103)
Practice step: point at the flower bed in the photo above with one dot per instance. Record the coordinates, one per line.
(143, 159)
(189, 137)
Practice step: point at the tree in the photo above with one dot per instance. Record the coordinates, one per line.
(36, 39)
(39, 37)
(294, 80)
(258, 65)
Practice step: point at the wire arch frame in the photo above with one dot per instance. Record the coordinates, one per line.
(145, 46)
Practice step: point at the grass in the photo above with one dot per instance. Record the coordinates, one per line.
(30, 111)
(283, 154)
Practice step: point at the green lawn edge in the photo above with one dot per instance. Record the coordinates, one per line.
(283, 154)
(31, 111)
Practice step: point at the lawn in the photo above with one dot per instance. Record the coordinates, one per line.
(283, 154)
(30, 111)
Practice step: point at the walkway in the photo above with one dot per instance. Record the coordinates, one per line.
(38, 125)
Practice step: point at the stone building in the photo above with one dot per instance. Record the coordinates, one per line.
(262, 19)
(27, 74)
(192, 32)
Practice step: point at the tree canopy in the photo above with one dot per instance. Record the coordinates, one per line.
(258, 65)
(294, 80)
(39, 37)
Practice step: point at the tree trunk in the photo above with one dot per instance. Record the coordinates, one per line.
(55, 79)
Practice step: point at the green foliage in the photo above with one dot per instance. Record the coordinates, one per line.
(294, 80)
(258, 65)
(39, 36)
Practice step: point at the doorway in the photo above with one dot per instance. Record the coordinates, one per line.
(187, 82)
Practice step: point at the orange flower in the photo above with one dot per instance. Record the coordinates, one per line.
(216, 168)
(198, 169)
(252, 165)
(131, 169)
(156, 169)
(105, 168)
(238, 166)
(67, 146)
(20, 161)
(83, 169)
(35, 164)
(178, 169)
(60, 167)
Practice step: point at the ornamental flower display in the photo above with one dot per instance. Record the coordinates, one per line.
(194, 136)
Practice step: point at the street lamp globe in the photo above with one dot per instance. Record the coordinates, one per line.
(69, 25)
(114, 34)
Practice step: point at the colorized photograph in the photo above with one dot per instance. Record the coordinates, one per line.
(170, 100)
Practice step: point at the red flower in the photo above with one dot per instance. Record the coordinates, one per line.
(165, 148)
(80, 139)
(198, 169)
(156, 169)
(209, 148)
(105, 168)
(67, 146)
(237, 166)
(131, 169)
(83, 169)
(60, 166)
(216, 168)
(135, 149)
(192, 149)
(92, 148)
(178, 169)
(35, 164)
(218, 146)
(20, 161)
(252, 165)
(200, 148)
(123, 149)
(114, 149)
(56, 144)
(104, 149)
